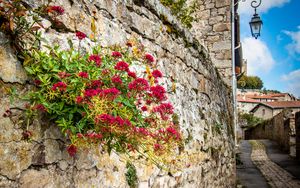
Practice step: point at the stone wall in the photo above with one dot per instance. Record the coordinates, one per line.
(202, 101)
(281, 128)
(212, 28)
(297, 127)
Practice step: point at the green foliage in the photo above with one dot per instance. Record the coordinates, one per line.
(250, 119)
(181, 10)
(250, 82)
(21, 23)
(131, 176)
(266, 91)
(217, 128)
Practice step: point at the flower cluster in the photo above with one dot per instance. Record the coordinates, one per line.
(60, 85)
(57, 9)
(101, 98)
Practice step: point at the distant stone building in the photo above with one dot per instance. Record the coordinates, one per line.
(267, 110)
(245, 105)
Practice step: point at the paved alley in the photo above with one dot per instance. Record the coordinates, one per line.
(258, 169)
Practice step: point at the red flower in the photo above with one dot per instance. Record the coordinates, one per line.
(105, 71)
(139, 84)
(7, 113)
(142, 130)
(157, 74)
(37, 82)
(116, 79)
(72, 149)
(80, 35)
(157, 147)
(79, 99)
(158, 92)
(91, 92)
(96, 58)
(105, 118)
(60, 85)
(79, 135)
(144, 108)
(149, 58)
(122, 66)
(58, 9)
(40, 107)
(116, 54)
(164, 109)
(171, 130)
(63, 75)
(26, 134)
(83, 74)
(96, 83)
(131, 74)
(110, 93)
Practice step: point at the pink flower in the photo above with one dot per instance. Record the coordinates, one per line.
(122, 66)
(116, 54)
(116, 79)
(131, 74)
(80, 35)
(96, 58)
(58, 9)
(158, 92)
(60, 85)
(149, 58)
(139, 84)
(72, 150)
(157, 74)
(83, 74)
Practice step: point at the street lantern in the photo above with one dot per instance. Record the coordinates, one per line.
(256, 23)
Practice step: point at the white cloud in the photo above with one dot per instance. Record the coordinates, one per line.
(294, 46)
(292, 81)
(245, 6)
(294, 75)
(258, 56)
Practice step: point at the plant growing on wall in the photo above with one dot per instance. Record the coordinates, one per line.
(181, 10)
(112, 97)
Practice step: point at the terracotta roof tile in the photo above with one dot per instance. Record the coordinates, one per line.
(240, 99)
(283, 104)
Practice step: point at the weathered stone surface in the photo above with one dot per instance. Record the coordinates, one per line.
(11, 69)
(220, 27)
(201, 101)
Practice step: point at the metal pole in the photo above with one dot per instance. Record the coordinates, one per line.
(233, 71)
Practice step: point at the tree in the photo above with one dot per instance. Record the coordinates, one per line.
(250, 82)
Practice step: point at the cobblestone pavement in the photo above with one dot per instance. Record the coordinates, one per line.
(274, 174)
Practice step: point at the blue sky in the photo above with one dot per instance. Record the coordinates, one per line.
(275, 56)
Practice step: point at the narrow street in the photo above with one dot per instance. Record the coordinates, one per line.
(264, 165)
